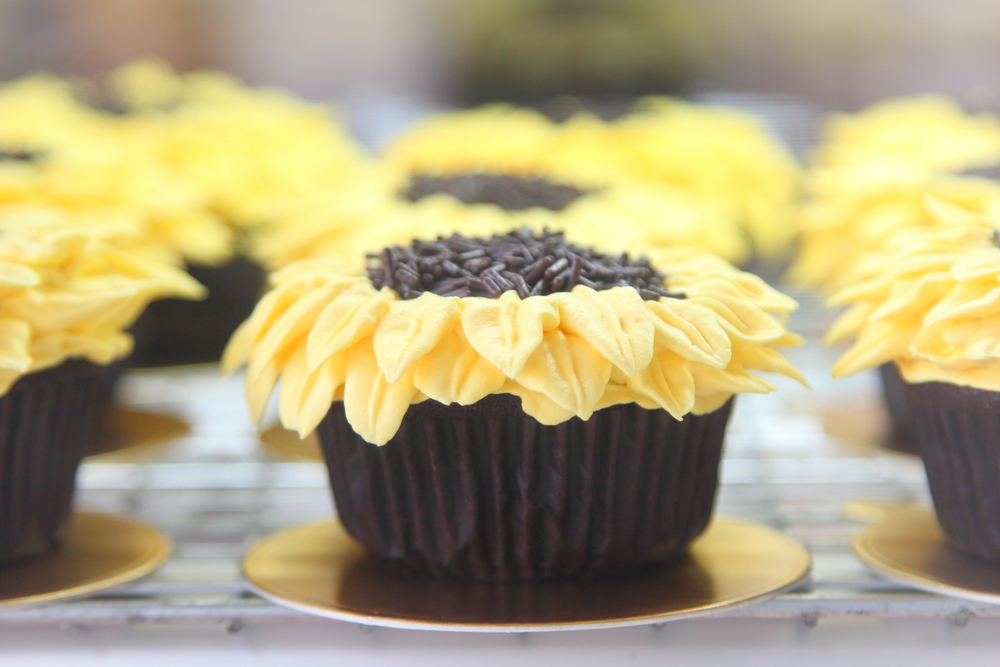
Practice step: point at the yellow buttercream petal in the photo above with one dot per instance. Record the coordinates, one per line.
(615, 322)
(690, 330)
(741, 320)
(18, 275)
(294, 322)
(454, 372)
(374, 406)
(15, 341)
(538, 405)
(732, 380)
(667, 381)
(411, 329)
(346, 320)
(506, 331)
(319, 391)
(569, 371)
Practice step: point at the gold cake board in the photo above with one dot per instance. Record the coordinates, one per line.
(128, 435)
(908, 547)
(288, 443)
(319, 569)
(864, 426)
(101, 551)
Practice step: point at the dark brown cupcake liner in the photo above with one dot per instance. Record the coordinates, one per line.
(486, 492)
(47, 420)
(900, 437)
(178, 331)
(958, 432)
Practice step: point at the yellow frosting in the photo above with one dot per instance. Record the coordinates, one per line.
(95, 168)
(930, 132)
(66, 294)
(248, 151)
(329, 335)
(930, 301)
(873, 172)
(365, 214)
(862, 207)
(722, 157)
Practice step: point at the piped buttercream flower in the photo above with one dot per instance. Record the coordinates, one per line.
(382, 205)
(568, 330)
(722, 157)
(247, 150)
(930, 132)
(57, 152)
(930, 301)
(873, 173)
(64, 293)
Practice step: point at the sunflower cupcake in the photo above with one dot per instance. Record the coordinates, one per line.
(57, 152)
(872, 173)
(386, 205)
(723, 158)
(515, 407)
(928, 304)
(66, 299)
(870, 179)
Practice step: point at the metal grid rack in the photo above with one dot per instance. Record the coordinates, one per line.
(218, 490)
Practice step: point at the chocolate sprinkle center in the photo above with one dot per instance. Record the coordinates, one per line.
(528, 264)
(511, 193)
(18, 156)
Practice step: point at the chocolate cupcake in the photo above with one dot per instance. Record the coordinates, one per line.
(929, 306)
(901, 436)
(174, 168)
(66, 299)
(515, 407)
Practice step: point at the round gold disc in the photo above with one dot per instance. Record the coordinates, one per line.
(908, 547)
(289, 443)
(129, 434)
(101, 551)
(319, 569)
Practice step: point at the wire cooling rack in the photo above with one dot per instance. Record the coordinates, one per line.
(218, 490)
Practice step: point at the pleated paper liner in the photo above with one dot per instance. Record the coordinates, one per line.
(906, 545)
(319, 569)
(958, 431)
(486, 492)
(48, 420)
(100, 551)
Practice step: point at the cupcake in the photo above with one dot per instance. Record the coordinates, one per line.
(247, 152)
(874, 170)
(927, 304)
(870, 178)
(515, 407)
(721, 158)
(66, 299)
(109, 179)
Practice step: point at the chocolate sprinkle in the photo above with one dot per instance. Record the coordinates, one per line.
(526, 263)
(18, 156)
(511, 193)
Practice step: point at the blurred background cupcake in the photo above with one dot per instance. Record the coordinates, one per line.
(67, 299)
